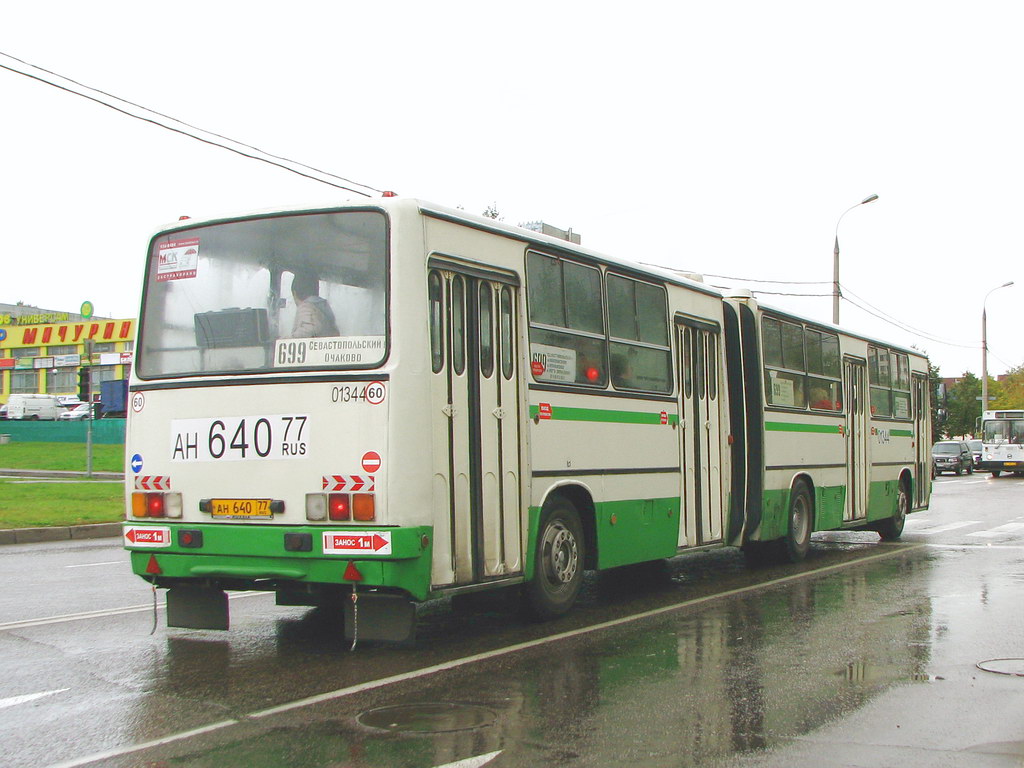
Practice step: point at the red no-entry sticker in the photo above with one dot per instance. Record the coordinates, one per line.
(371, 462)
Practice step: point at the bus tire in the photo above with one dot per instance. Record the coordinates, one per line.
(891, 528)
(558, 561)
(800, 523)
(996, 472)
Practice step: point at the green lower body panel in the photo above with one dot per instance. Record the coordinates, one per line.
(636, 531)
(829, 505)
(252, 555)
(632, 531)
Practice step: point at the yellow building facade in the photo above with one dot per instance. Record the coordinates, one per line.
(42, 351)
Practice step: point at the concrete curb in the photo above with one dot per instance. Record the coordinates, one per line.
(59, 474)
(59, 533)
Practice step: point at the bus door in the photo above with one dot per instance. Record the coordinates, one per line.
(475, 424)
(922, 441)
(857, 430)
(700, 422)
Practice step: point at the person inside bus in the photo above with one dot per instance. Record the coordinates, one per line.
(313, 315)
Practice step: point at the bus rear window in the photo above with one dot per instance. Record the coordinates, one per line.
(259, 295)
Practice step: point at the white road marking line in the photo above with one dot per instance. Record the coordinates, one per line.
(946, 527)
(998, 531)
(15, 700)
(91, 565)
(384, 682)
(102, 613)
(472, 762)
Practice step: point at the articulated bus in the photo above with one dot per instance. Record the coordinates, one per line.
(1002, 442)
(378, 404)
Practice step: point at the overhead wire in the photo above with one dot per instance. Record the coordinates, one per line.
(269, 158)
(907, 329)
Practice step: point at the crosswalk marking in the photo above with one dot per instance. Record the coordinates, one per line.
(946, 527)
(998, 530)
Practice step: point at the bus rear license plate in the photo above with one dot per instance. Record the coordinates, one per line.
(1011, 463)
(246, 508)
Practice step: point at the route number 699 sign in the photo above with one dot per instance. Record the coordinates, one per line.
(241, 438)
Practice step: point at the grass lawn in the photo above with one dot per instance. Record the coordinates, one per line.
(62, 456)
(27, 504)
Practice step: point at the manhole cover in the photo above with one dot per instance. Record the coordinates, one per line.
(1003, 666)
(428, 718)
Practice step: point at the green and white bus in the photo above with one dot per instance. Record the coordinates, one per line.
(381, 403)
(1002, 442)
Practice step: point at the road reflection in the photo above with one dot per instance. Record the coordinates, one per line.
(691, 687)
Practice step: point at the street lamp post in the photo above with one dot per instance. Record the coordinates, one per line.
(835, 260)
(984, 348)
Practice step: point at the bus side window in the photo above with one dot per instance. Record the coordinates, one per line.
(567, 337)
(435, 299)
(507, 333)
(458, 339)
(486, 330)
(638, 327)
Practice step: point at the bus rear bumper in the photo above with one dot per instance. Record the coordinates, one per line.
(235, 557)
(999, 466)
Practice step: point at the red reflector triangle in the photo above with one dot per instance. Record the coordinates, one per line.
(352, 573)
(153, 566)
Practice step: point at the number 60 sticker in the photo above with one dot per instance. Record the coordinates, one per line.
(375, 392)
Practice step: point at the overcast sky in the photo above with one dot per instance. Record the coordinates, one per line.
(723, 138)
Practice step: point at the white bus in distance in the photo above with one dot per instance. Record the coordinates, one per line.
(490, 407)
(1002, 442)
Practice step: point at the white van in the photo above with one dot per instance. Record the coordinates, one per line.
(33, 407)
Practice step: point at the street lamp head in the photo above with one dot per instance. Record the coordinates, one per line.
(869, 199)
(1006, 285)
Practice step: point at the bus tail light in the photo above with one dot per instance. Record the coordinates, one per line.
(339, 506)
(316, 506)
(156, 505)
(363, 507)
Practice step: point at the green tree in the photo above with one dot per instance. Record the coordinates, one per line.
(934, 379)
(1011, 390)
(963, 406)
(492, 212)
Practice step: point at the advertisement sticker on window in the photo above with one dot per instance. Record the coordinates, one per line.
(177, 259)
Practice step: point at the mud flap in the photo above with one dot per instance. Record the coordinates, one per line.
(374, 616)
(197, 608)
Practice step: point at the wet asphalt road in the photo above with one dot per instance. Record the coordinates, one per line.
(863, 656)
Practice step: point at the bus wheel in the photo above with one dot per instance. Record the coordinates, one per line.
(558, 562)
(995, 473)
(801, 514)
(892, 528)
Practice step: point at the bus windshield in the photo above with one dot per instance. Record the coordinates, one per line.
(1004, 431)
(266, 294)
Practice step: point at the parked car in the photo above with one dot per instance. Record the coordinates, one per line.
(975, 446)
(75, 413)
(952, 456)
(33, 407)
(3, 411)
